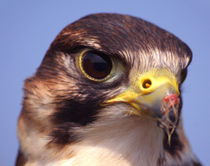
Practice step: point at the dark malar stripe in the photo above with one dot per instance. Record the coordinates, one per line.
(70, 114)
(75, 112)
(63, 134)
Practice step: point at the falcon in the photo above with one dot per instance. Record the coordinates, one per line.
(107, 93)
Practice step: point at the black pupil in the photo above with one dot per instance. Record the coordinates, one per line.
(96, 65)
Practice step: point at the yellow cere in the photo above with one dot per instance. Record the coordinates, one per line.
(146, 84)
(155, 79)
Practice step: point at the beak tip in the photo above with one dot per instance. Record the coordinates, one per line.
(168, 119)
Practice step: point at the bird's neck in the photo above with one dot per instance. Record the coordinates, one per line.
(131, 142)
(125, 142)
(128, 141)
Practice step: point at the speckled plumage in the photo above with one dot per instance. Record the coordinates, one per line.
(63, 121)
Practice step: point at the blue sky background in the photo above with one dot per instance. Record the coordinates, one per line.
(28, 27)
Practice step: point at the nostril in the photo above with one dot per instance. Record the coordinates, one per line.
(146, 83)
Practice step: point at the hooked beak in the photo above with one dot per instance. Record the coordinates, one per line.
(154, 94)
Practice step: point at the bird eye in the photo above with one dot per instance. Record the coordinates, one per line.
(95, 66)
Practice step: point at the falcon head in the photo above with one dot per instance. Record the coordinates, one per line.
(107, 91)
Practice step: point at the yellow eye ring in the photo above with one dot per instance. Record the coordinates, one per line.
(96, 66)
